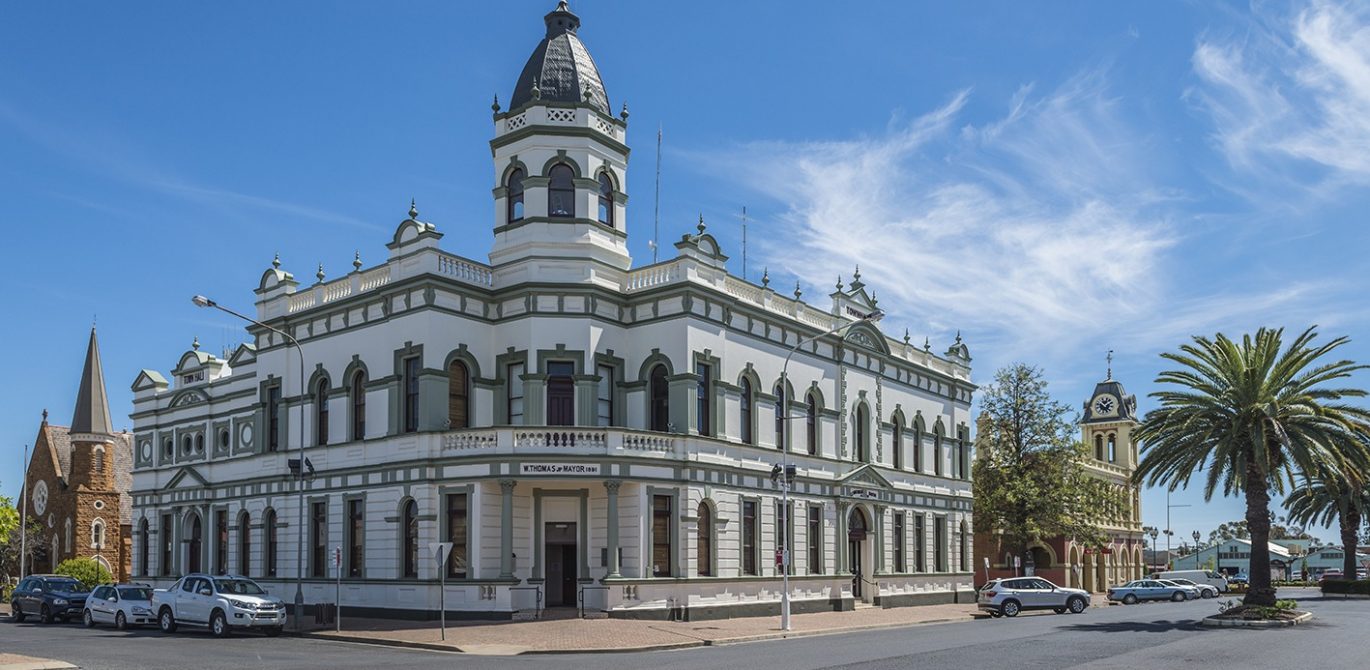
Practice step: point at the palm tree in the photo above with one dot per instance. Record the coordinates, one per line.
(1252, 414)
(1320, 500)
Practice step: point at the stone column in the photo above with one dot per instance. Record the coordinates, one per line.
(843, 508)
(612, 486)
(506, 531)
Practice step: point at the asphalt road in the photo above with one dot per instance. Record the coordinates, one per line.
(1157, 635)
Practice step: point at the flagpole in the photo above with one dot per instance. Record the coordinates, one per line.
(656, 207)
(24, 518)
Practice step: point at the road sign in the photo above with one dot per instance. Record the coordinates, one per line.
(337, 556)
(440, 551)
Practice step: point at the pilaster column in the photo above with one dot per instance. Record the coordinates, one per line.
(879, 567)
(506, 531)
(842, 567)
(611, 528)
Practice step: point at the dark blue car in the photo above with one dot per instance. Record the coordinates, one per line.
(48, 597)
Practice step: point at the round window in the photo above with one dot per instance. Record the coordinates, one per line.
(99, 504)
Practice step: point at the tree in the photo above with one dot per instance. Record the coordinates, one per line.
(9, 518)
(1329, 497)
(10, 550)
(88, 571)
(1252, 414)
(1029, 479)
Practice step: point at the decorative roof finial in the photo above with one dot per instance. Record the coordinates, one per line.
(320, 274)
(839, 282)
(357, 261)
(587, 94)
(624, 114)
(927, 345)
(45, 415)
(1110, 365)
(797, 291)
(413, 210)
(906, 337)
(874, 300)
(701, 225)
(494, 106)
(958, 336)
(765, 277)
(856, 276)
(537, 92)
(195, 344)
(276, 262)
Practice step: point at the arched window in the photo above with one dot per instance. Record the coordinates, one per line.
(411, 539)
(1099, 447)
(937, 450)
(747, 432)
(917, 446)
(781, 416)
(321, 413)
(1112, 448)
(606, 200)
(561, 191)
(199, 443)
(811, 425)
(269, 545)
(660, 405)
(358, 393)
(194, 549)
(97, 460)
(458, 396)
(897, 444)
(244, 543)
(704, 546)
(862, 433)
(97, 534)
(515, 196)
(143, 551)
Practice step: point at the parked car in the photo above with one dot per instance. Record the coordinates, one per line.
(1239, 578)
(1008, 597)
(49, 597)
(1145, 589)
(1209, 577)
(1333, 574)
(219, 603)
(1205, 590)
(123, 605)
(1191, 592)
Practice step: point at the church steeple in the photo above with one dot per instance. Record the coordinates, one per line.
(92, 408)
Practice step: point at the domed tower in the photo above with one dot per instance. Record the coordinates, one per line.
(560, 167)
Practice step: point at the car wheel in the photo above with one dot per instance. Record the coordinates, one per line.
(1178, 597)
(16, 613)
(1210, 594)
(1076, 605)
(46, 614)
(273, 631)
(1130, 599)
(166, 620)
(88, 619)
(1010, 608)
(120, 622)
(218, 624)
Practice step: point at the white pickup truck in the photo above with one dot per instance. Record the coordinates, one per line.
(219, 603)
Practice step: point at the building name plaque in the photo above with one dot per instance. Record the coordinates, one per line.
(868, 494)
(590, 469)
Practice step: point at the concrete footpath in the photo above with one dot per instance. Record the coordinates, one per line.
(17, 662)
(564, 633)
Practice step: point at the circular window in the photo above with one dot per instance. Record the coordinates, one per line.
(247, 435)
(99, 504)
(146, 450)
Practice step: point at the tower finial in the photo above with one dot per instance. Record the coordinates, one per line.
(45, 415)
(1110, 365)
(927, 344)
(413, 210)
(839, 283)
(196, 343)
(494, 106)
(797, 291)
(357, 260)
(624, 114)
(276, 262)
(701, 225)
(856, 276)
(320, 274)
(765, 277)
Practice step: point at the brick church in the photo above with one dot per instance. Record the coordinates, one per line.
(79, 479)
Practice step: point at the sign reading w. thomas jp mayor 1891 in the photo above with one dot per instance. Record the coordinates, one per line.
(559, 469)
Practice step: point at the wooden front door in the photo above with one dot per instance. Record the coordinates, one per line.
(561, 394)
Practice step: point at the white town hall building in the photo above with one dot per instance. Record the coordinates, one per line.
(582, 431)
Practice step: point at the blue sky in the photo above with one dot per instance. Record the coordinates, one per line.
(1053, 180)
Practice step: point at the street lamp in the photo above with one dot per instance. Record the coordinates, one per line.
(1153, 532)
(787, 470)
(201, 301)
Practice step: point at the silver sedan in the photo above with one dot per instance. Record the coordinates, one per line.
(1147, 589)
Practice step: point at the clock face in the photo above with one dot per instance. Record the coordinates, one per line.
(1103, 405)
(40, 497)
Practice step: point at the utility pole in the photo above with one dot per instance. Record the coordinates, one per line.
(656, 206)
(744, 243)
(1168, 532)
(24, 519)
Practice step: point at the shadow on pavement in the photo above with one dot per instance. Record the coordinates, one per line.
(1139, 626)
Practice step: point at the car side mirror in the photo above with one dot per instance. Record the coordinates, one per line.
(37, 589)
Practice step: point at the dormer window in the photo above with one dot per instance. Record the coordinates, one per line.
(561, 192)
(515, 196)
(606, 200)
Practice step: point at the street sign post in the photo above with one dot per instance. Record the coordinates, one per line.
(440, 552)
(337, 589)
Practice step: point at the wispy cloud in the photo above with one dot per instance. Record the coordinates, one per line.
(1290, 93)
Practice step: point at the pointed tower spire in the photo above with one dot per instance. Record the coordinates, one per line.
(92, 408)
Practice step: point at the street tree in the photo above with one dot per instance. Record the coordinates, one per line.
(1252, 414)
(1328, 498)
(1029, 478)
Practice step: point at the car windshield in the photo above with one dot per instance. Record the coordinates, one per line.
(64, 585)
(242, 587)
(1186, 582)
(135, 593)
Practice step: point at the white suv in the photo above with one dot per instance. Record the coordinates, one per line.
(220, 603)
(1008, 597)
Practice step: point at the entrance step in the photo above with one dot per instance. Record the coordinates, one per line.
(863, 606)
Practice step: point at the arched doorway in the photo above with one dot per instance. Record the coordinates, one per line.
(857, 526)
(194, 542)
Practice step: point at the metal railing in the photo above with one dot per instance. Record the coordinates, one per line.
(601, 591)
(514, 592)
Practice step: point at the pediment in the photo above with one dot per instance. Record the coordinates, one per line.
(186, 478)
(245, 354)
(149, 379)
(866, 475)
(869, 337)
(187, 398)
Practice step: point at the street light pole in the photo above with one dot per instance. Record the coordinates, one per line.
(202, 301)
(1168, 531)
(785, 466)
